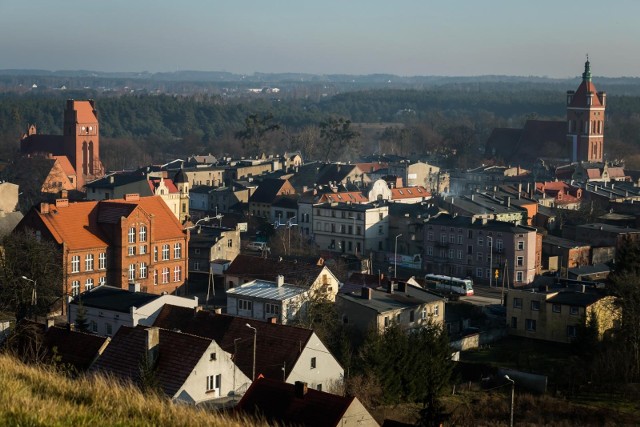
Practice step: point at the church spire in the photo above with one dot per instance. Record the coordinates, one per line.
(586, 76)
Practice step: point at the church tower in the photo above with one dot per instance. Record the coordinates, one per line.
(585, 120)
(82, 140)
(181, 180)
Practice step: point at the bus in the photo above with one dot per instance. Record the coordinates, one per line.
(451, 284)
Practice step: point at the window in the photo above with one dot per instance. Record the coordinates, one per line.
(479, 256)
(75, 288)
(177, 273)
(572, 331)
(143, 270)
(165, 275)
(244, 304)
(196, 265)
(230, 243)
(519, 261)
(88, 262)
(196, 251)
(210, 382)
(459, 253)
(429, 250)
(155, 254)
(102, 281)
(573, 310)
(480, 241)
(514, 322)
(436, 310)
(521, 245)
(155, 277)
(443, 239)
(272, 310)
(535, 305)
(519, 276)
(556, 308)
(75, 264)
(319, 387)
(430, 236)
(530, 325)
(499, 244)
(380, 230)
(143, 233)
(132, 235)
(88, 285)
(459, 239)
(313, 363)
(132, 250)
(386, 321)
(94, 326)
(143, 249)
(177, 251)
(423, 314)
(412, 316)
(452, 238)
(108, 329)
(451, 253)
(102, 261)
(132, 272)
(165, 252)
(517, 303)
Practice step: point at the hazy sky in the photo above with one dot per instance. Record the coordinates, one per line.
(404, 37)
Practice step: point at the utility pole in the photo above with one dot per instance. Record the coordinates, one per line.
(255, 334)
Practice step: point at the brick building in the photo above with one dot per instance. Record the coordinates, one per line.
(115, 242)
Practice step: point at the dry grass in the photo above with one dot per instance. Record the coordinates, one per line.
(38, 396)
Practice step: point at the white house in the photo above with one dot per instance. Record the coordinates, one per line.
(108, 308)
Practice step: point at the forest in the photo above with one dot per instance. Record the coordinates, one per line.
(434, 123)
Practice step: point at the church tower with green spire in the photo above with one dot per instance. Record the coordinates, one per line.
(585, 120)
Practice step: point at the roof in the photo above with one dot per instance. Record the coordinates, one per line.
(383, 301)
(276, 345)
(76, 348)
(115, 180)
(564, 243)
(581, 299)
(609, 228)
(466, 222)
(278, 403)
(155, 182)
(178, 354)
(590, 269)
(266, 290)
(37, 143)
(267, 190)
(358, 280)
(285, 202)
(114, 299)
(344, 196)
(65, 164)
(180, 177)
(409, 193)
(295, 272)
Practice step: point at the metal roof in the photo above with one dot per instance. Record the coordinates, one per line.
(267, 290)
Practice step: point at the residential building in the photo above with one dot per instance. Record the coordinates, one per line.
(408, 220)
(297, 404)
(10, 216)
(556, 314)
(313, 174)
(600, 234)
(187, 368)
(284, 211)
(282, 352)
(115, 242)
(401, 303)
(211, 246)
(107, 308)
(79, 144)
(116, 185)
(267, 192)
(311, 275)
(558, 194)
(265, 300)
(485, 206)
(421, 174)
(351, 228)
(464, 247)
(381, 190)
(563, 253)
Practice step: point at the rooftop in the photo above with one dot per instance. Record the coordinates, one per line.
(267, 290)
(114, 299)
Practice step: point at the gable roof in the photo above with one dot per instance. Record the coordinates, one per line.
(178, 353)
(267, 190)
(399, 193)
(276, 345)
(65, 164)
(76, 348)
(154, 183)
(84, 112)
(302, 273)
(278, 402)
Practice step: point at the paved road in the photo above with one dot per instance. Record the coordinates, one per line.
(484, 295)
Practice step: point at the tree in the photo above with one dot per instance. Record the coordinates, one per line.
(256, 128)
(26, 256)
(81, 322)
(337, 133)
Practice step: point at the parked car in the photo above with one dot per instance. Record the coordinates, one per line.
(257, 246)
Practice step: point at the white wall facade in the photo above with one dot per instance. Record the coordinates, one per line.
(327, 370)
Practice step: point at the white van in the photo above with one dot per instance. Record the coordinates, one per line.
(257, 246)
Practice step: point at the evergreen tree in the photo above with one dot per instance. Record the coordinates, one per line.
(81, 323)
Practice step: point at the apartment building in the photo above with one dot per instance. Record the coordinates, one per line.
(464, 247)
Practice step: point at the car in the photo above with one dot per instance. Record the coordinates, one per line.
(257, 246)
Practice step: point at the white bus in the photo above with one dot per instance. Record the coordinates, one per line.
(451, 284)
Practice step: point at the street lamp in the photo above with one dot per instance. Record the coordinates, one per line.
(34, 295)
(395, 258)
(513, 387)
(490, 242)
(206, 218)
(255, 334)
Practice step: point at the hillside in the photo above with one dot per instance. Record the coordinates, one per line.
(32, 396)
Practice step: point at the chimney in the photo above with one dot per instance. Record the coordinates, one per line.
(217, 310)
(111, 179)
(50, 323)
(132, 197)
(153, 345)
(366, 292)
(44, 208)
(390, 288)
(508, 201)
(64, 194)
(62, 203)
(134, 287)
(300, 389)
(273, 320)
(402, 287)
(280, 280)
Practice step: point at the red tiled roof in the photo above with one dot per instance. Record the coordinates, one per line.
(616, 172)
(178, 354)
(593, 173)
(372, 166)
(66, 165)
(252, 267)
(155, 182)
(278, 403)
(276, 345)
(580, 97)
(347, 196)
(409, 192)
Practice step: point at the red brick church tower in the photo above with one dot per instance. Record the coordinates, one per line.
(82, 140)
(585, 120)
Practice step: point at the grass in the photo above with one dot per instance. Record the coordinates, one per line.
(38, 396)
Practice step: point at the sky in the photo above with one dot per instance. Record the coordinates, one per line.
(402, 37)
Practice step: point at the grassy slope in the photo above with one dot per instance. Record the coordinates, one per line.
(31, 396)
